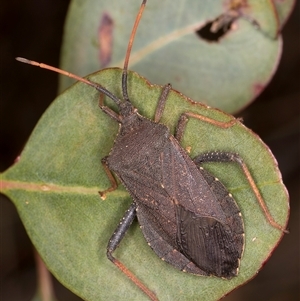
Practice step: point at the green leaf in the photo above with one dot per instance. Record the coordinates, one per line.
(283, 10)
(227, 74)
(270, 16)
(55, 185)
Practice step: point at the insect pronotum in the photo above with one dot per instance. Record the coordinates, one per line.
(186, 215)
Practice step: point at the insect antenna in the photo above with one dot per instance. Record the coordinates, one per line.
(66, 73)
(93, 84)
(129, 47)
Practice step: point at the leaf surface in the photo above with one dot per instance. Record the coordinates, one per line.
(227, 74)
(55, 185)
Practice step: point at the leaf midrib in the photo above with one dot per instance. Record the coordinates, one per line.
(139, 55)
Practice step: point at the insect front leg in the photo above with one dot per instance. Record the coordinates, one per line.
(107, 110)
(114, 184)
(161, 102)
(219, 156)
(114, 242)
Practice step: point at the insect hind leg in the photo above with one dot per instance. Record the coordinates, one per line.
(219, 156)
(114, 242)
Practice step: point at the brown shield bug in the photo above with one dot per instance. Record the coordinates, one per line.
(187, 216)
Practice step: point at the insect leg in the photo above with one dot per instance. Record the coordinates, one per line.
(161, 102)
(107, 110)
(234, 157)
(114, 242)
(185, 117)
(112, 180)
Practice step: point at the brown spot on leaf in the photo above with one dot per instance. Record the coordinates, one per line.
(105, 37)
(237, 4)
(258, 88)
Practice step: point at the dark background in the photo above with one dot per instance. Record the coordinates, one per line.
(33, 29)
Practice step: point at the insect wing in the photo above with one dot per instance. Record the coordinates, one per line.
(208, 243)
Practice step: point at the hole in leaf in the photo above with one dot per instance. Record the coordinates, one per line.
(214, 30)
